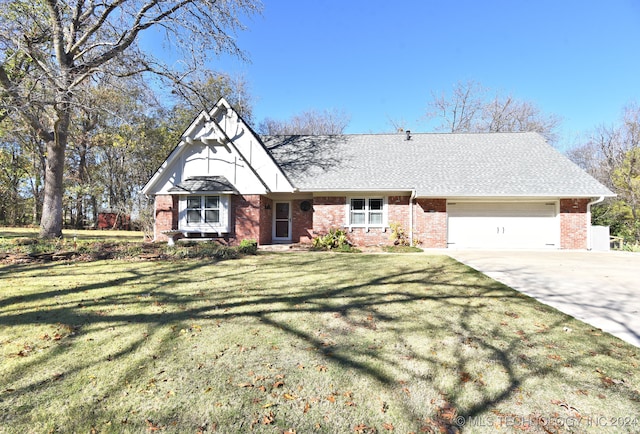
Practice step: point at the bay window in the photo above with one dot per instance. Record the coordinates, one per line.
(206, 213)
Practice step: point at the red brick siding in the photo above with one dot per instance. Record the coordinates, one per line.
(328, 212)
(166, 213)
(398, 210)
(302, 222)
(266, 220)
(245, 218)
(573, 223)
(430, 220)
(430, 223)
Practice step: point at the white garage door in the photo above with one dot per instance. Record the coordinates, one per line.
(518, 225)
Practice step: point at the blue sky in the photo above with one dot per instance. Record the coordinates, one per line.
(382, 60)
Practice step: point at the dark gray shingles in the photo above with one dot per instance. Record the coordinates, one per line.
(437, 165)
(202, 184)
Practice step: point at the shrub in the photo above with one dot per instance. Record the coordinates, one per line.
(248, 247)
(336, 239)
(398, 235)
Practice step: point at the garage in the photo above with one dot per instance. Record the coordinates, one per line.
(503, 225)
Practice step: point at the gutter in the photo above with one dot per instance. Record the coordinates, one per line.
(413, 196)
(593, 202)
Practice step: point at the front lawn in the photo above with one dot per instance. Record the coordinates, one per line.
(299, 342)
(71, 234)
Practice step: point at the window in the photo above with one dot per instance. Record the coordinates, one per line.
(203, 209)
(366, 212)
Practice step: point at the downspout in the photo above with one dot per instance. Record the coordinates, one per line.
(593, 202)
(413, 196)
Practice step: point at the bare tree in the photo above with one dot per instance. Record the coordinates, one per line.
(460, 111)
(312, 122)
(506, 114)
(48, 49)
(204, 90)
(470, 108)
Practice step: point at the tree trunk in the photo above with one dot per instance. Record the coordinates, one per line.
(51, 223)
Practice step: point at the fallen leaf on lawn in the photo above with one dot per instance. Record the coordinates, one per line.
(245, 385)
(388, 426)
(152, 426)
(270, 404)
(208, 389)
(331, 399)
(350, 404)
(306, 407)
(289, 397)
(268, 419)
(361, 428)
(278, 384)
(321, 368)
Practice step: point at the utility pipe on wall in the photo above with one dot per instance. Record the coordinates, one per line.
(413, 196)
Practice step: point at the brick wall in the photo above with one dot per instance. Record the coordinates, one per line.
(266, 220)
(302, 222)
(166, 215)
(573, 223)
(245, 218)
(328, 212)
(430, 223)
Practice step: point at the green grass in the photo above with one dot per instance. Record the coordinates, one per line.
(305, 342)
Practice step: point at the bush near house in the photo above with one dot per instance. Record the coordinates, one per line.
(336, 240)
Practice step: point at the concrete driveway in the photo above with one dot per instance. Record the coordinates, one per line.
(599, 288)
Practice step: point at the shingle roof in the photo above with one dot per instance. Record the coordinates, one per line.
(202, 184)
(435, 165)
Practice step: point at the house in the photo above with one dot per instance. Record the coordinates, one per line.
(492, 190)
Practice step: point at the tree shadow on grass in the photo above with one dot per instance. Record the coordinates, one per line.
(436, 321)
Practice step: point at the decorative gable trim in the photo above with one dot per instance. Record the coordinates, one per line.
(231, 149)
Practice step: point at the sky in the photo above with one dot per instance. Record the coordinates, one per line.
(382, 61)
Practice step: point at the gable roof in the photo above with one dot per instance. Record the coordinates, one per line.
(434, 165)
(219, 143)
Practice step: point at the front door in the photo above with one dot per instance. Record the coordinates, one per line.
(282, 222)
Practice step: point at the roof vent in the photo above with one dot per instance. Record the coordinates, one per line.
(408, 135)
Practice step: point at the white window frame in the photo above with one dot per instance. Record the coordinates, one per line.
(221, 226)
(367, 212)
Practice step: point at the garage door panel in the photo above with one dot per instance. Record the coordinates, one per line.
(503, 225)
